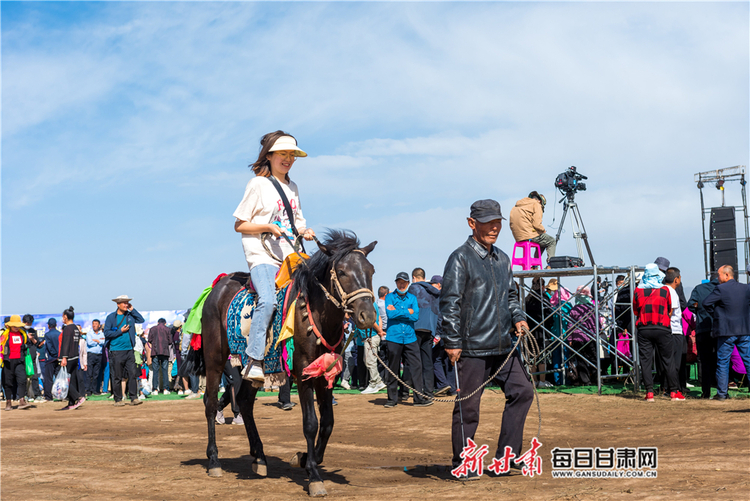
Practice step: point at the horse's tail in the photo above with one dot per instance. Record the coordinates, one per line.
(193, 365)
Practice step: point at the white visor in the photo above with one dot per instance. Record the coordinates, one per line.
(287, 143)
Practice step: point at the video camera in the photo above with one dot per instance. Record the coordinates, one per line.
(570, 181)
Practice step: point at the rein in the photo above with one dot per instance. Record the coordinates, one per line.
(529, 353)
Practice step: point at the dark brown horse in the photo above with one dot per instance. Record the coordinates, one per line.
(334, 281)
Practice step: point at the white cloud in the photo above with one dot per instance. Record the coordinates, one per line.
(410, 112)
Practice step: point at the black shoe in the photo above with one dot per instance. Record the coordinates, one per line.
(472, 475)
(426, 403)
(513, 466)
(389, 404)
(720, 398)
(443, 391)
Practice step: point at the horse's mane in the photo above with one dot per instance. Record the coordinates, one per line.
(339, 243)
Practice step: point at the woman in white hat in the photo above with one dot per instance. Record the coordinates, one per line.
(13, 362)
(263, 210)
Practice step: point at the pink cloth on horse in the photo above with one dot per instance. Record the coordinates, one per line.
(328, 365)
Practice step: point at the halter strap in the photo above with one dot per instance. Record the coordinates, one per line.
(346, 297)
(317, 332)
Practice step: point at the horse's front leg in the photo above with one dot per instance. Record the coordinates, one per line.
(246, 401)
(211, 402)
(310, 428)
(325, 405)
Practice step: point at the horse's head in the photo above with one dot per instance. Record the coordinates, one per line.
(354, 274)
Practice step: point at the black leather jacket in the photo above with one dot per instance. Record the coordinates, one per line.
(479, 302)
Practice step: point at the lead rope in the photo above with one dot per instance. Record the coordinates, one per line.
(529, 351)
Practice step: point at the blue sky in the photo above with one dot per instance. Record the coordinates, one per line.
(127, 129)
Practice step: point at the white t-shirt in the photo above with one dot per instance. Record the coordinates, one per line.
(675, 320)
(262, 204)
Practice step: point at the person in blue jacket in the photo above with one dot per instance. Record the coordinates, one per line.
(403, 311)
(729, 304)
(428, 299)
(51, 345)
(119, 335)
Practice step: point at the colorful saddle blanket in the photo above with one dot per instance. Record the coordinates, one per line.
(239, 318)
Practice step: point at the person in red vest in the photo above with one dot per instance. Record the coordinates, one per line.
(13, 342)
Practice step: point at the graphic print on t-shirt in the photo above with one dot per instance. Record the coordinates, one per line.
(14, 352)
(281, 219)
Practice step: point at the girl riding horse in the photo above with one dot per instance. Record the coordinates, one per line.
(270, 205)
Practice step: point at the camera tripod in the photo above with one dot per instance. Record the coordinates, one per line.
(576, 222)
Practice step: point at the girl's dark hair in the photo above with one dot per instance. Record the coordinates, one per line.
(70, 313)
(262, 167)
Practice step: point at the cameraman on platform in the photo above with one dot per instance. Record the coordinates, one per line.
(526, 223)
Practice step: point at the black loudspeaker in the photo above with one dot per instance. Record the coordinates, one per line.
(723, 235)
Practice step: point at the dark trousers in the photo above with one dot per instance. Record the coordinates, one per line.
(122, 362)
(76, 386)
(285, 392)
(410, 352)
(50, 367)
(519, 394)
(587, 350)
(363, 375)
(706, 346)
(92, 373)
(14, 379)
(679, 360)
(34, 387)
(194, 383)
(160, 366)
(650, 338)
(232, 389)
(442, 369)
(424, 340)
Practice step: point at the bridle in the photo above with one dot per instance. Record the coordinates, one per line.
(345, 298)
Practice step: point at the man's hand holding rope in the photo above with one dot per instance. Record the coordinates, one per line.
(455, 354)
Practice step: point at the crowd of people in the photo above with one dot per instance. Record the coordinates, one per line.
(672, 333)
(117, 357)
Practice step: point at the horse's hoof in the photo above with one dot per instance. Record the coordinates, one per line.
(214, 472)
(317, 490)
(259, 469)
(296, 461)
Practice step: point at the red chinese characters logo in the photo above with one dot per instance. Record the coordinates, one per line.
(473, 460)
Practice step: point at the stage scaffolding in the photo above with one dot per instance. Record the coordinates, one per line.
(607, 332)
(719, 178)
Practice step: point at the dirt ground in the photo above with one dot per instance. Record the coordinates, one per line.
(156, 451)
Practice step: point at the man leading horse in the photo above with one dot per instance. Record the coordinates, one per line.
(479, 305)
